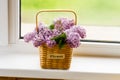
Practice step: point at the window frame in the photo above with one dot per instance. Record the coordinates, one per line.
(18, 45)
(4, 22)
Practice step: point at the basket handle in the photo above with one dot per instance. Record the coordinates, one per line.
(75, 15)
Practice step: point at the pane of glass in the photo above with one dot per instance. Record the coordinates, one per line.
(99, 17)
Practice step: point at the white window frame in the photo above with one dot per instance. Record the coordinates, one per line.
(4, 22)
(17, 45)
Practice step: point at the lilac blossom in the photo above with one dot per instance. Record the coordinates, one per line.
(56, 32)
(67, 32)
(67, 23)
(50, 43)
(80, 30)
(41, 28)
(29, 36)
(73, 40)
(38, 40)
(47, 33)
(36, 43)
(39, 37)
(63, 24)
(44, 35)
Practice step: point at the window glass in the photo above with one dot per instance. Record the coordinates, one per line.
(99, 17)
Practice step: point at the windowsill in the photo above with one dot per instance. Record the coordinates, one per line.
(84, 68)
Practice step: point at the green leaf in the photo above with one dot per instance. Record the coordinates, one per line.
(57, 37)
(51, 26)
(60, 40)
(63, 36)
(57, 41)
(61, 43)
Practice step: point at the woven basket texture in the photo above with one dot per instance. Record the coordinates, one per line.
(48, 63)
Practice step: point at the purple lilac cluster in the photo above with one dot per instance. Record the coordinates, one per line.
(56, 32)
(74, 35)
(73, 39)
(80, 30)
(44, 35)
(41, 37)
(29, 36)
(63, 23)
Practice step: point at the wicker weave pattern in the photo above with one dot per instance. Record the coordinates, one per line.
(55, 63)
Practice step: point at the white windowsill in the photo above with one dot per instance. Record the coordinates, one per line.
(84, 68)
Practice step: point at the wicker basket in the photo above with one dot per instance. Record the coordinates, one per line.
(55, 58)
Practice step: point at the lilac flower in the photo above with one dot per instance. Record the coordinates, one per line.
(39, 37)
(36, 43)
(71, 22)
(67, 24)
(38, 40)
(73, 40)
(29, 36)
(51, 43)
(52, 37)
(58, 24)
(41, 28)
(80, 30)
(67, 32)
(56, 32)
(47, 33)
(63, 24)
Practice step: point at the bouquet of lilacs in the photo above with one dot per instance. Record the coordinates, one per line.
(61, 32)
